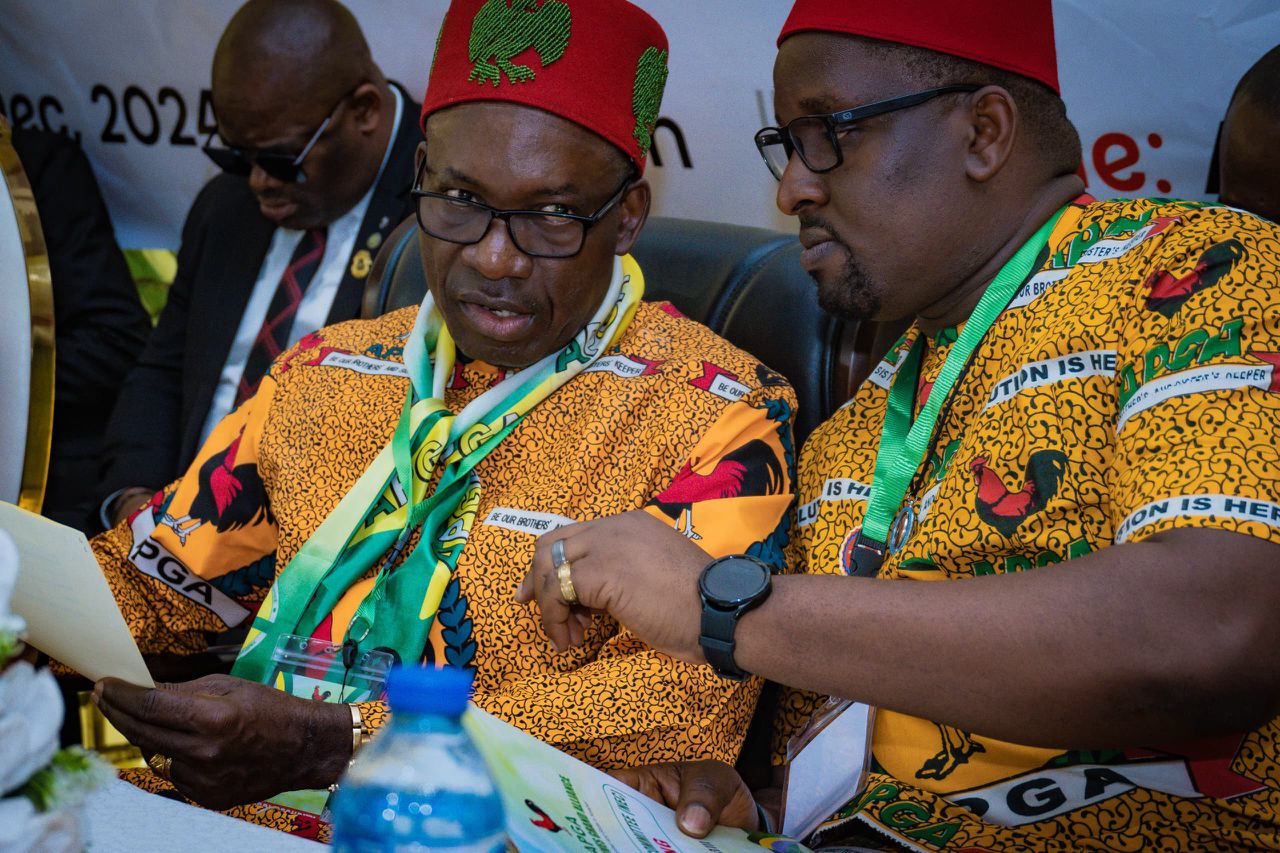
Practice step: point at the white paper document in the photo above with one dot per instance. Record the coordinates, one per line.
(556, 804)
(70, 612)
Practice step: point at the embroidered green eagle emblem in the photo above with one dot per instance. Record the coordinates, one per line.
(502, 30)
(646, 97)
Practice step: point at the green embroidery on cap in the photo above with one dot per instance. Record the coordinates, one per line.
(651, 78)
(501, 31)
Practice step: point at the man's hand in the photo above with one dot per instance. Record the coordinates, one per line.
(631, 566)
(232, 741)
(703, 794)
(128, 501)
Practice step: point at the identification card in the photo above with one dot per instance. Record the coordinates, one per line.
(314, 669)
(827, 765)
(309, 668)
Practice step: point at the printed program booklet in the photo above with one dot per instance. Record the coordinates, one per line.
(556, 803)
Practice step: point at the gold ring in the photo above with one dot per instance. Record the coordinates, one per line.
(162, 765)
(564, 571)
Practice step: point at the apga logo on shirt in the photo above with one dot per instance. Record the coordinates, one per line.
(1006, 510)
(748, 471)
(1094, 244)
(1167, 294)
(1208, 379)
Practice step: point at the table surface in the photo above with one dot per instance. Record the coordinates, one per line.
(121, 817)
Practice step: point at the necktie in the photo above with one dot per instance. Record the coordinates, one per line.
(273, 337)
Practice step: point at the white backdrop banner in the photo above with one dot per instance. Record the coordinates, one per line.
(1146, 81)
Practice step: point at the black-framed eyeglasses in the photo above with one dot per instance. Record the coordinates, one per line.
(282, 167)
(814, 137)
(537, 233)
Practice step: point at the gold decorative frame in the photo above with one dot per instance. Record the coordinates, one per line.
(35, 465)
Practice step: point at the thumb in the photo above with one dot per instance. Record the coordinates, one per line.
(703, 797)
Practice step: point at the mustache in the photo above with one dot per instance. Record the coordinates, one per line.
(493, 294)
(810, 220)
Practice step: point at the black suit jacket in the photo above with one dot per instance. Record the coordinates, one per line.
(100, 325)
(155, 429)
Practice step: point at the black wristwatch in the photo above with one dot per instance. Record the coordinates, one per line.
(729, 587)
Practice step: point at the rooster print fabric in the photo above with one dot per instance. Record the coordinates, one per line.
(1131, 387)
(674, 421)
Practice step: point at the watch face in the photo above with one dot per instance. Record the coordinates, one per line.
(734, 580)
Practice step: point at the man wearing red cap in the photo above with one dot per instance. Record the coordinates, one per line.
(1079, 425)
(380, 495)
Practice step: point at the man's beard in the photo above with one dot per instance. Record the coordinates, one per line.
(853, 295)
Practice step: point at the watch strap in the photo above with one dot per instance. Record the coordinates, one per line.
(717, 641)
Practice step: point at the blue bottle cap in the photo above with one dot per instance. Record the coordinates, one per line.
(427, 690)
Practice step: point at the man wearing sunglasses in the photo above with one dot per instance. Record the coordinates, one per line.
(382, 492)
(1041, 543)
(315, 148)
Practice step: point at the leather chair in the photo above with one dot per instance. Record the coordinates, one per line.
(744, 283)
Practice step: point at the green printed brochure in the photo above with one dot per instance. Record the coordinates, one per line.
(556, 803)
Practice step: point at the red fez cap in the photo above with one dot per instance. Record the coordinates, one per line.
(1016, 35)
(599, 63)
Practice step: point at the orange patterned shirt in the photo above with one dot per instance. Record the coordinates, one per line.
(1131, 387)
(674, 420)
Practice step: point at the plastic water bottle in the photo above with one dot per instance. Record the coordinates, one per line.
(421, 785)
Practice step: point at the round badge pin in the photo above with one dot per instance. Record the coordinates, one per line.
(847, 561)
(361, 263)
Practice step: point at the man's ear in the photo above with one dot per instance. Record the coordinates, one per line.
(366, 107)
(635, 210)
(994, 125)
(419, 157)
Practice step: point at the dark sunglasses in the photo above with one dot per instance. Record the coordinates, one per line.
(814, 137)
(282, 167)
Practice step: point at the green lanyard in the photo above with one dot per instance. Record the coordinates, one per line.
(903, 441)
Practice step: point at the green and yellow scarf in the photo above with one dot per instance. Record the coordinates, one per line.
(373, 524)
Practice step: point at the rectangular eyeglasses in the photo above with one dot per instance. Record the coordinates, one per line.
(815, 138)
(537, 233)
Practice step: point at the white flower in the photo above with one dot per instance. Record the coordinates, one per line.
(72, 775)
(11, 625)
(23, 829)
(8, 571)
(30, 719)
(45, 816)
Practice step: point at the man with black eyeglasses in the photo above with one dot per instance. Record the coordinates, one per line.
(379, 497)
(316, 148)
(1040, 547)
